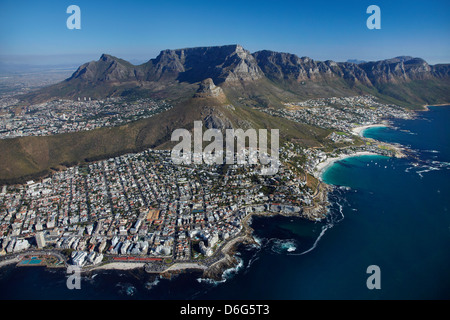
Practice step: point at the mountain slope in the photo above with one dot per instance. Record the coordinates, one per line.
(218, 86)
(27, 158)
(403, 80)
(280, 77)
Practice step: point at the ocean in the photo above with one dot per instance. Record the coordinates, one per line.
(388, 212)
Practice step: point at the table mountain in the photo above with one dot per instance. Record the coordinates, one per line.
(266, 77)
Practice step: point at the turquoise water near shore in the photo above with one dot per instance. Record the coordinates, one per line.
(393, 213)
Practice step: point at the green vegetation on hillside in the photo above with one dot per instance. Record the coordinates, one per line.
(27, 158)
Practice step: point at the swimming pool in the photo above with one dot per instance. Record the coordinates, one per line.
(33, 260)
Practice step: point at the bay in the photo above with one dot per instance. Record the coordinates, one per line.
(393, 213)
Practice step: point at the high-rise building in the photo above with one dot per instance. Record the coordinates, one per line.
(40, 240)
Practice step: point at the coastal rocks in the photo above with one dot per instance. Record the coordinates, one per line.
(315, 213)
(319, 208)
(216, 270)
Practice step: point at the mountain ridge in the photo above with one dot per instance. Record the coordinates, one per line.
(219, 86)
(177, 73)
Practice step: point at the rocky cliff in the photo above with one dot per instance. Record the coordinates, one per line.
(264, 76)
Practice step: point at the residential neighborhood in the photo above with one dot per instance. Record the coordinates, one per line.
(341, 113)
(142, 205)
(62, 116)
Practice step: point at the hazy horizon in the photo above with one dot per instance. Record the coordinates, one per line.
(36, 33)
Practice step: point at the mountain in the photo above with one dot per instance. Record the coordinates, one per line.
(170, 74)
(277, 66)
(412, 77)
(225, 64)
(264, 78)
(219, 86)
(31, 157)
(398, 69)
(106, 69)
(356, 61)
(221, 64)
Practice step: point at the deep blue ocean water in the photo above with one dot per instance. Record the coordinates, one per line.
(393, 213)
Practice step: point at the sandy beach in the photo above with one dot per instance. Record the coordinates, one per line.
(359, 130)
(119, 266)
(321, 167)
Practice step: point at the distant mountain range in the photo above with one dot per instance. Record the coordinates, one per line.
(219, 86)
(356, 61)
(280, 77)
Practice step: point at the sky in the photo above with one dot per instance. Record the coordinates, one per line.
(35, 31)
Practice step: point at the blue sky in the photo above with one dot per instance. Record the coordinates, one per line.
(35, 31)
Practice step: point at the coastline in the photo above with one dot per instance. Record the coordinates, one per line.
(226, 254)
(228, 251)
(214, 270)
(426, 106)
(223, 260)
(359, 130)
(7, 262)
(323, 166)
(253, 268)
(117, 266)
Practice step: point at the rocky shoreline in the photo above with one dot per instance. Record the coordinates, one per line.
(316, 212)
(224, 259)
(425, 107)
(216, 270)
